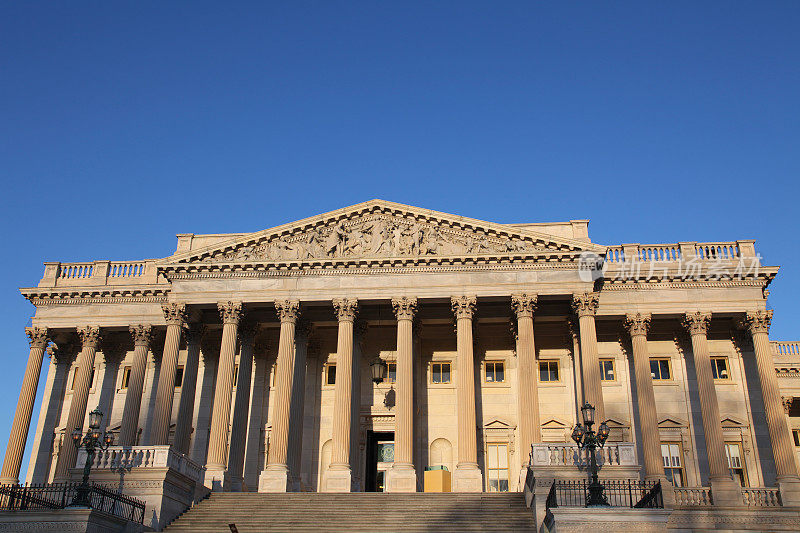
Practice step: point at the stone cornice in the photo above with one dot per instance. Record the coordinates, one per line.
(93, 295)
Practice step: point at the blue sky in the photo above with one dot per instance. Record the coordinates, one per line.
(124, 123)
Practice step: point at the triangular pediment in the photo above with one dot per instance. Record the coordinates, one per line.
(669, 422)
(555, 424)
(497, 423)
(381, 230)
(732, 422)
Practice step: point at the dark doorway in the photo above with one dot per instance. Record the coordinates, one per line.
(380, 447)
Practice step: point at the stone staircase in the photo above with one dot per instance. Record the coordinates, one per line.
(309, 511)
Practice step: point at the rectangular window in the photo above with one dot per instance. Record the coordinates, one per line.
(497, 467)
(440, 372)
(736, 462)
(719, 368)
(495, 372)
(391, 372)
(660, 369)
(91, 378)
(796, 435)
(673, 463)
(178, 377)
(126, 377)
(548, 371)
(330, 374)
(607, 370)
(235, 374)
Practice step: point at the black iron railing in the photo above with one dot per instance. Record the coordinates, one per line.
(619, 492)
(61, 495)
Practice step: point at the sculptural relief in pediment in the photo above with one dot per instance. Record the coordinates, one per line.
(374, 236)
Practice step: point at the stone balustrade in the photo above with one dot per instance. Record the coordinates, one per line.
(785, 349)
(761, 497)
(143, 457)
(99, 273)
(683, 251)
(692, 496)
(557, 454)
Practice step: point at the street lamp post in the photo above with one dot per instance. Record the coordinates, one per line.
(93, 440)
(585, 437)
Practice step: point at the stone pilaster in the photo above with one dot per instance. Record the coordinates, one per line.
(175, 315)
(724, 489)
(38, 337)
(339, 476)
(638, 325)
(216, 472)
(758, 323)
(402, 477)
(467, 477)
(275, 477)
(241, 406)
(524, 306)
(90, 339)
(142, 335)
(585, 306)
(301, 335)
(183, 425)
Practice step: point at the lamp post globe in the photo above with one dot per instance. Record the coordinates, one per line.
(585, 437)
(93, 440)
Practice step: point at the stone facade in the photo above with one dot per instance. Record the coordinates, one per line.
(250, 354)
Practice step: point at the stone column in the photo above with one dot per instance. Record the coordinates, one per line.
(467, 477)
(50, 413)
(216, 472)
(530, 430)
(241, 407)
(338, 476)
(724, 489)
(275, 477)
(183, 426)
(38, 338)
(301, 336)
(575, 355)
(142, 334)
(585, 306)
(638, 325)
(175, 315)
(758, 323)
(402, 477)
(90, 338)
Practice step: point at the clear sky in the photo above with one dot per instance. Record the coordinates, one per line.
(124, 123)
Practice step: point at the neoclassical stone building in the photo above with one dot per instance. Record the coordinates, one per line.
(244, 361)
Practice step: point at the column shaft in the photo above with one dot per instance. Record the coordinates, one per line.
(241, 407)
(133, 398)
(279, 439)
(183, 425)
(343, 389)
(638, 325)
(586, 306)
(90, 338)
(162, 414)
(524, 306)
(22, 416)
(296, 421)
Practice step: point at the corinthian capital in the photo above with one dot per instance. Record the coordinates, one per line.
(758, 321)
(142, 334)
(346, 308)
(585, 304)
(38, 337)
(697, 323)
(230, 312)
(524, 305)
(463, 306)
(174, 314)
(288, 310)
(404, 307)
(787, 403)
(90, 336)
(638, 323)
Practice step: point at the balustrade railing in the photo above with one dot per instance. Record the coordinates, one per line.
(693, 496)
(688, 251)
(99, 273)
(128, 457)
(784, 349)
(761, 496)
(557, 454)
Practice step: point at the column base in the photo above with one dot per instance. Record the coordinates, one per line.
(337, 480)
(467, 478)
(790, 491)
(275, 478)
(726, 493)
(401, 478)
(217, 479)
